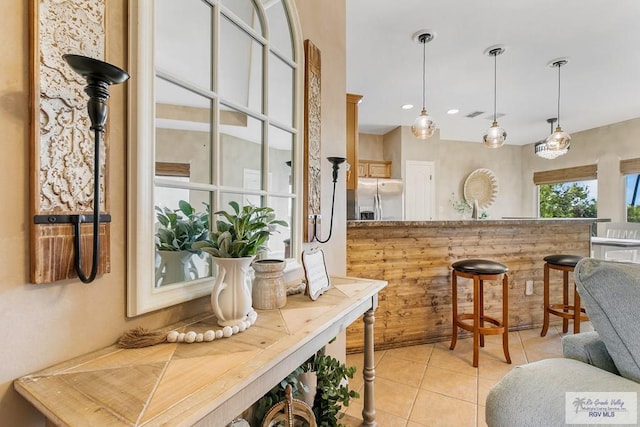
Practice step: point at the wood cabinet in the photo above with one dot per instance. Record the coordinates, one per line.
(374, 168)
(363, 169)
(352, 139)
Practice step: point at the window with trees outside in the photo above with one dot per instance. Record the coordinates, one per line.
(568, 193)
(630, 170)
(632, 196)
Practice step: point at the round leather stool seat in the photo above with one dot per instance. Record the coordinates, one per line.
(479, 266)
(564, 260)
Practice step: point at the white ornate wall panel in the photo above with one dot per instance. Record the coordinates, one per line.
(62, 152)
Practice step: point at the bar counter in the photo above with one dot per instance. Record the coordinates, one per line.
(415, 258)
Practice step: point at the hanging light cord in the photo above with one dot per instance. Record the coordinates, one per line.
(423, 39)
(559, 66)
(495, 84)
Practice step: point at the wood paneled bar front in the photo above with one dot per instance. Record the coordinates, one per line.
(415, 258)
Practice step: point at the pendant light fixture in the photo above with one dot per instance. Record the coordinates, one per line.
(542, 150)
(424, 126)
(559, 141)
(495, 136)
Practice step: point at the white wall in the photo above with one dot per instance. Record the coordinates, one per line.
(370, 147)
(392, 150)
(324, 23)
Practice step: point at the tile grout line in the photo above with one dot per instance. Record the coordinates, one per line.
(530, 346)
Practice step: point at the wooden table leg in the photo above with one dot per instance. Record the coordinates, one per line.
(368, 372)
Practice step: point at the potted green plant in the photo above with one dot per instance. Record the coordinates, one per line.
(237, 238)
(242, 233)
(178, 229)
(330, 388)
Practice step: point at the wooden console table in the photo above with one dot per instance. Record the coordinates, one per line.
(207, 383)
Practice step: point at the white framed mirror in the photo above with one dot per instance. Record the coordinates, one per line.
(215, 116)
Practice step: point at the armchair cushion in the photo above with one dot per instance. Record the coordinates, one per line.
(587, 347)
(610, 292)
(533, 395)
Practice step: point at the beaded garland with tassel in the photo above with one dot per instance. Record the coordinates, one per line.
(141, 337)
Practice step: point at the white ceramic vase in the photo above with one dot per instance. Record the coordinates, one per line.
(231, 294)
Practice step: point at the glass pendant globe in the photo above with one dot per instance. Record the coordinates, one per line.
(495, 136)
(424, 126)
(559, 140)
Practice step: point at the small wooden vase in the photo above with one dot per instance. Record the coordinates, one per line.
(269, 291)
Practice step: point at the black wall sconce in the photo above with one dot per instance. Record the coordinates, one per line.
(99, 76)
(336, 162)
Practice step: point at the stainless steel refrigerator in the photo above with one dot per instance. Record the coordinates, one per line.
(380, 199)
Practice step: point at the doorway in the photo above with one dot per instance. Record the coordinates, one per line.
(419, 190)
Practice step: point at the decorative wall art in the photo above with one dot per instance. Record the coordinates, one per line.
(62, 144)
(481, 185)
(312, 141)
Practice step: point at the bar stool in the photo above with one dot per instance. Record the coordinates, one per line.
(564, 263)
(480, 270)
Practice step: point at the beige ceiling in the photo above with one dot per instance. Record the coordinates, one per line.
(600, 84)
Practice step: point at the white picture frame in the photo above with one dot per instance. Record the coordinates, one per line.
(315, 273)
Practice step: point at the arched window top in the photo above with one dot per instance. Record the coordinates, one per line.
(247, 12)
(280, 33)
(268, 18)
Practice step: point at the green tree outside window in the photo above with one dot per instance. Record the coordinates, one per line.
(567, 200)
(632, 196)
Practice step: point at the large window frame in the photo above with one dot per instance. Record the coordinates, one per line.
(142, 295)
(630, 168)
(577, 174)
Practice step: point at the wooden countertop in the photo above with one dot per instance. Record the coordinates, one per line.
(207, 383)
(472, 222)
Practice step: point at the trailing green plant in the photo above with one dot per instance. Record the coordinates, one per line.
(460, 206)
(182, 227)
(332, 390)
(242, 233)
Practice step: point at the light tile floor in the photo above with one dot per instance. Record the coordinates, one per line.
(430, 385)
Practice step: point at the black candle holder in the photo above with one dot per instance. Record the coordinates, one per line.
(336, 162)
(99, 75)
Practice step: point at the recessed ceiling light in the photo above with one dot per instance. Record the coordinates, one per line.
(453, 111)
(407, 106)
